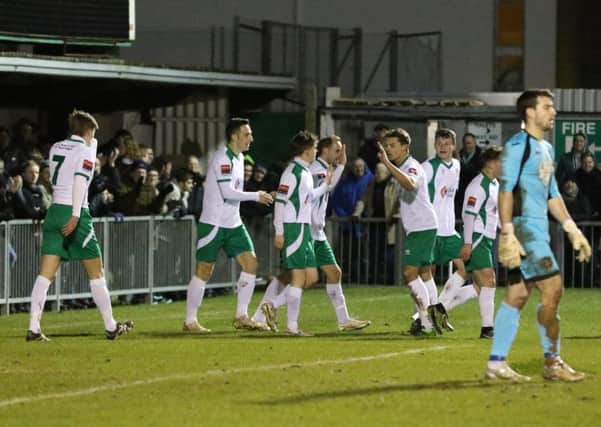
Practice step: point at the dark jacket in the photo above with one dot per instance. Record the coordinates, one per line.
(579, 207)
(6, 203)
(29, 203)
(469, 169)
(589, 184)
(567, 166)
(252, 208)
(196, 196)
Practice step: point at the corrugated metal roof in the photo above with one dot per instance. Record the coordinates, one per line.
(578, 100)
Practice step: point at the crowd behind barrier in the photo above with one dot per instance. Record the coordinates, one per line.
(140, 197)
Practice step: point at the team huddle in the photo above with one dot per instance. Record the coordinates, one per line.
(514, 191)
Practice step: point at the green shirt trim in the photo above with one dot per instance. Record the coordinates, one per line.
(435, 162)
(321, 162)
(230, 153)
(404, 161)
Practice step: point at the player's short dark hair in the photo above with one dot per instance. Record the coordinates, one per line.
(580, 134)
(326, 143)
(182, 174)
(528, 99)
(301, 141)
(446, 134)
(399, 133)
(80, 122)
(381, 126)
(491, 153)
(234, 126)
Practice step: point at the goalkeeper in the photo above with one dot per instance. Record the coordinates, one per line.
(528, 193)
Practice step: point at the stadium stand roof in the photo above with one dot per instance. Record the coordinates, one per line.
(27, 79)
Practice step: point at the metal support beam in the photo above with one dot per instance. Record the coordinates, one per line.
(393, 62)
(266, 37)
(236, 44)
(333, 68)
(357, 60)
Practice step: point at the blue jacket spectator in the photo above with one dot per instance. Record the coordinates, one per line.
(347, 198)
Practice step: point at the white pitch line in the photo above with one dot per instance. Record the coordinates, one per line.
(211, 373)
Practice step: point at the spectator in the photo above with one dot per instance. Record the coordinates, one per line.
(129, 152)
(4, 142)
(177, 199)
(126, 200)
(150, 199)
(8, 187)
(374, 196)
(578, 205)
(347, 202)
(45, 184)
(571, 161)
(164, 166)
(258, 182)
(21, 148)
(107, 156)
(119, 139)
(588, 179)
(470, 157)
(580, 209)
(197, 191)
(28, 202)
(248, 173)
(100, 199)
(380, 198)
(347, 199)
(368, 151)
(145, 153)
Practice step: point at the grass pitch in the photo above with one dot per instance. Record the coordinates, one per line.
(158, 376)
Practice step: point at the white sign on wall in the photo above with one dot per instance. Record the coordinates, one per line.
(487, 133)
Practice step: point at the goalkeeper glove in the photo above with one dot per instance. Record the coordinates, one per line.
(579, 242)
(510, 249)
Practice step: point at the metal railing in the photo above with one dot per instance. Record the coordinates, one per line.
(367, 256)
(142, 255)
(147, 255)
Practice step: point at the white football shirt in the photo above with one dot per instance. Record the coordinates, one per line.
(443, 182)
(223, 189)
(417, 212)
(67, 159)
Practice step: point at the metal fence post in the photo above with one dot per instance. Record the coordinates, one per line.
(150, 253)
(106, 249)
(6, 272)
(193, 246)
(58, 282)
(398, 253)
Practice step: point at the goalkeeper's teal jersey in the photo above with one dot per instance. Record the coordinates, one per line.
(528, 172)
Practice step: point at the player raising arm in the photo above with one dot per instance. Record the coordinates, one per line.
(418, 218)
